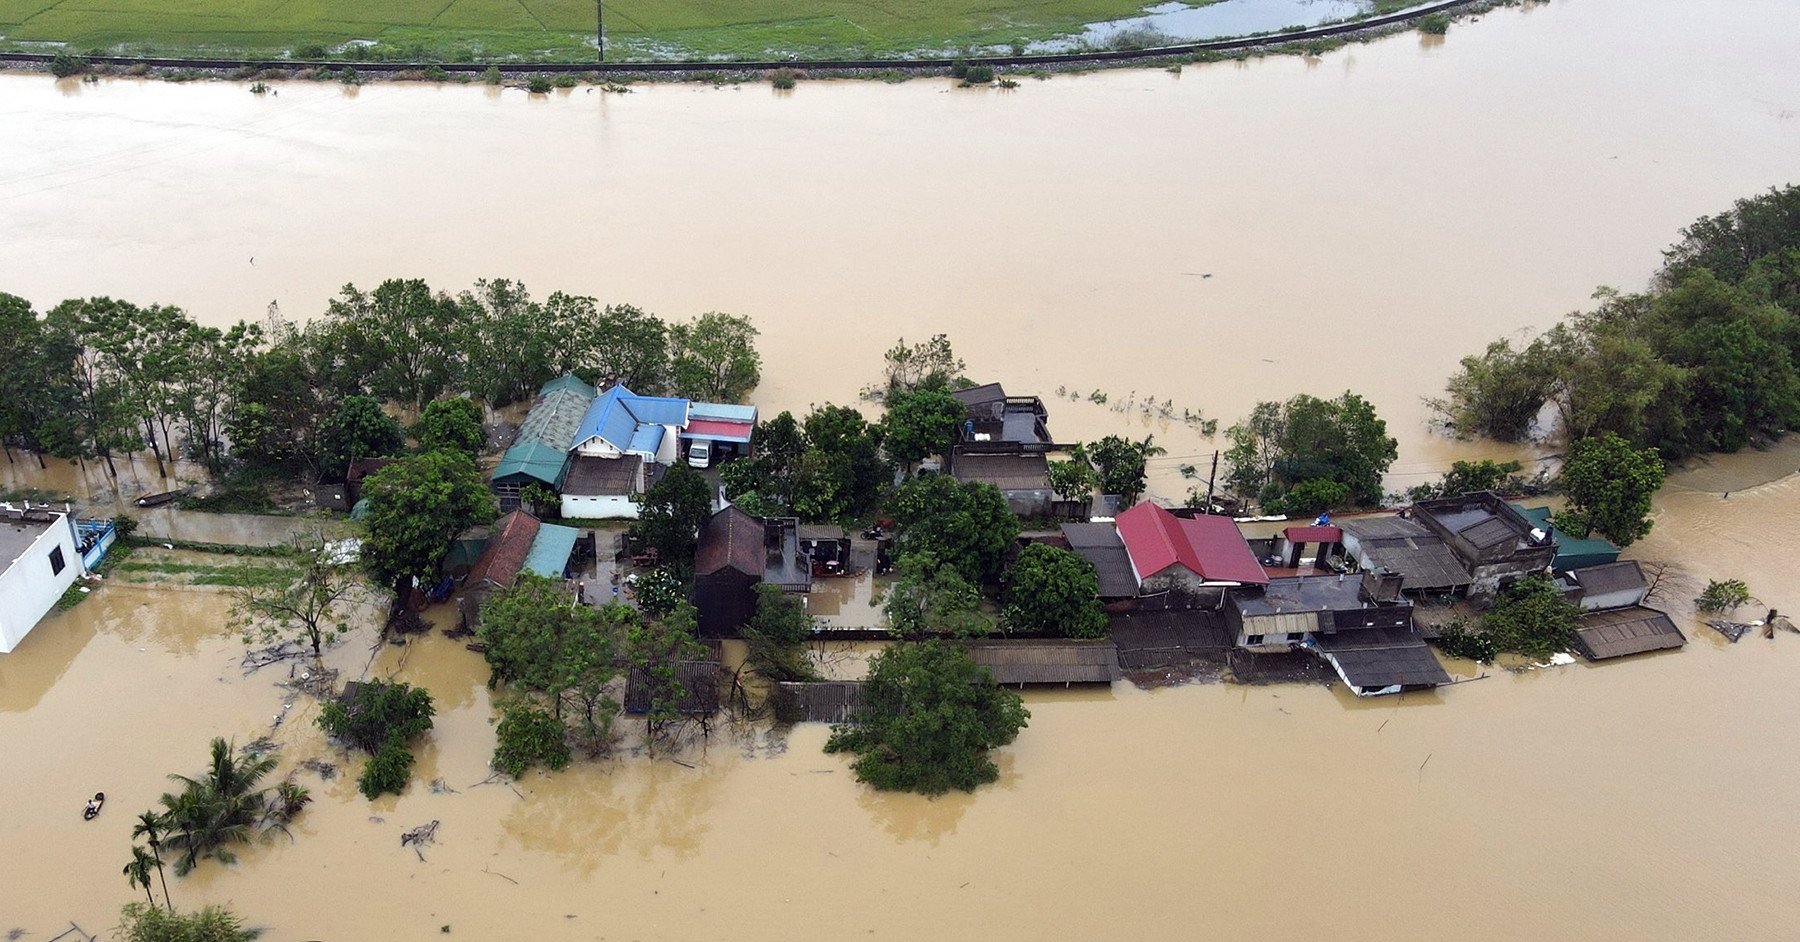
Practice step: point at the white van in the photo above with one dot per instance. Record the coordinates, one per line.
(700, 454)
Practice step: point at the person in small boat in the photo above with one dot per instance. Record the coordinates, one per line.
(93, 806)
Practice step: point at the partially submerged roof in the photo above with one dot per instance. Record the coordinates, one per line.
(592, 476)
(699, 682)
(1161, 639)
(1099, 544)
(1623, 576)
(823, 701)
(985, 394)
(1624, 631)
(1023, 472)
(500, 562)
(1571, 551)
(550, 550)
(1048, 662)
(1406, 547)
(1375, 659)
(1314, 534)
(731, 539)
(1211, 547)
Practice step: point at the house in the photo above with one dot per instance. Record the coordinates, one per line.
(1572, 552)
(40, 557)
(727, 426)
(598, 488)
(1151, 640)
(1055, 661)
(1289, 610)
(1379, 661)
(995, 417)
(1617, 623)
(737, 552)
(1100, 545)
(1406, 548)
(1185, 563)
(1022, 478)
(540, 453)
(1622, 631)
(1496, 544)
(499, 564)
(619, 422)
(1326, 541)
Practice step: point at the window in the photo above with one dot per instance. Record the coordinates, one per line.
(56, 561)
(1252, 641)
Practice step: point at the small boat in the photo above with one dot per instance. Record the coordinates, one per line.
(157, 500)
(94, 805)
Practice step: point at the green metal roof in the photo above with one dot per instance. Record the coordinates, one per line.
(534, 461)
(541, 451)
(550, 550)
(1572, 552)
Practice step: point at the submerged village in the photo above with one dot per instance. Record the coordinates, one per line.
(635, 559)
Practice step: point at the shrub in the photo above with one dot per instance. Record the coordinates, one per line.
(436, 73)
(1723, 595)
(1532, 617)
(529, 736)
(492, 75)
(1435, 24)
(388, 770)
(566, 80)
(978, 75)
(784, 78)
(65, 64)
(379, 712)
(312, 53)
(538, 85)
(959, 68)
(143, 922)
(350, 76)
(1458, 640)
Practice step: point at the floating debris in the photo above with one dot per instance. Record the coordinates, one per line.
(441, 787)
(1734, 631)
(419, 837)
(321, 768)
(274, 654)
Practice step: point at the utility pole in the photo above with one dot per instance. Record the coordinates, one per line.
(1210, 478)
(600, 30)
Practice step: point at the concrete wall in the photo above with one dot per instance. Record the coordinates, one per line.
(1178, 587)
(609, 507)
(28, 588)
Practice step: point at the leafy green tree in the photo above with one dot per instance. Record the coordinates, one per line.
(1073, 480)
(928, 365)
(1053, 591)
(1281, 445)
(964, 525)
(929, 718)
(541, 639)
(930, 600)
(400, 338)
(280, 407)
(921, 423)
(841, 472)
(313, 606)
(655, 648)
(452, 425)
(1730, 243)
(1723, 596)
(1497, 393)
(1610, 485)
(146, 923)
(659, 591)
(382, 719)
(387, 772)
(627, 345)
(528, 736)
(1120, 464)
(225, 806)
(1309, 498)
(359, 429)
(1532, 617)
(780, 443)
(137, 872)
(671, 513)
(714, 358)
(416, 505)
(776, 636)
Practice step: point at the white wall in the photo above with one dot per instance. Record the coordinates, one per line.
(28, 589)
(610, 507)
(596, 447)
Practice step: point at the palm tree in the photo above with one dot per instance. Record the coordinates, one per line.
(137, 872)
(150, 827)
(217, 810)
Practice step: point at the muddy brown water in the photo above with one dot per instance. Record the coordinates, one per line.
(1367, 218)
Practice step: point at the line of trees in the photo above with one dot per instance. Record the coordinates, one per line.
(98, 377)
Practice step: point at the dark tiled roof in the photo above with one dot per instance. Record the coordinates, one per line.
(1625, 631)
(825, 701)
(985, 394)
(1099, 544)
(1406, 547)
(1048, 662)
(505, 555)
(1006, 472)
(592, 476)
(1162, 639)
(1374, 658)
(700, 689)
(731, 539)
(1622, 576)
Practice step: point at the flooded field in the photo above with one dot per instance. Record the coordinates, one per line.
(1646, 799)
(1366, 219)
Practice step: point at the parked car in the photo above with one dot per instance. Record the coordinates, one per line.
(700, 455)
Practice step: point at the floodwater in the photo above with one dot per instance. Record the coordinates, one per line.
(1367, 218)
(1648, 799)
(1178, 21)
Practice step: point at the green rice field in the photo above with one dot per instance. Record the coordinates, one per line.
(476, 30)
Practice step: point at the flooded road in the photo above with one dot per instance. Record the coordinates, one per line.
(1649, 799)
(1366, 218)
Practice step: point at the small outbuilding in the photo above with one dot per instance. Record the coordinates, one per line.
(598, 488)
(1063, 662)
(1326, 541)
(821, 701)
(1624, 631)
(1572, 552)
(699, 680)
(1380, 661)
(1100, 545)
(1023, 478)
(1611, 585)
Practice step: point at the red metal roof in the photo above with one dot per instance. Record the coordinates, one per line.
(505, 554)
(1314, 534)
(1211, 547)
(715, 428)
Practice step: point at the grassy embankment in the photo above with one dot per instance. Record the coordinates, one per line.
(557, 30)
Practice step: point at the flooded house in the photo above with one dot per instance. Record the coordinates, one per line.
(1101, 546)
(1406, 547)
(1181, 562)
(1003, 441)
(540, 453)
(738, 552)
(598, 488)
(40, 550)
(1062, 662)
(517, 543)
(1495, 543)
(1616, 622)
(1023, 478)
(996, 418)
(1361, 625)
(1572, 552)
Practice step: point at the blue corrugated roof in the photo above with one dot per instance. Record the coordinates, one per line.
(619, 418)
(646, 440)
(550, 550)
(723, 412)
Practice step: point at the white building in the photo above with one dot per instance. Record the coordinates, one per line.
(38, 550)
